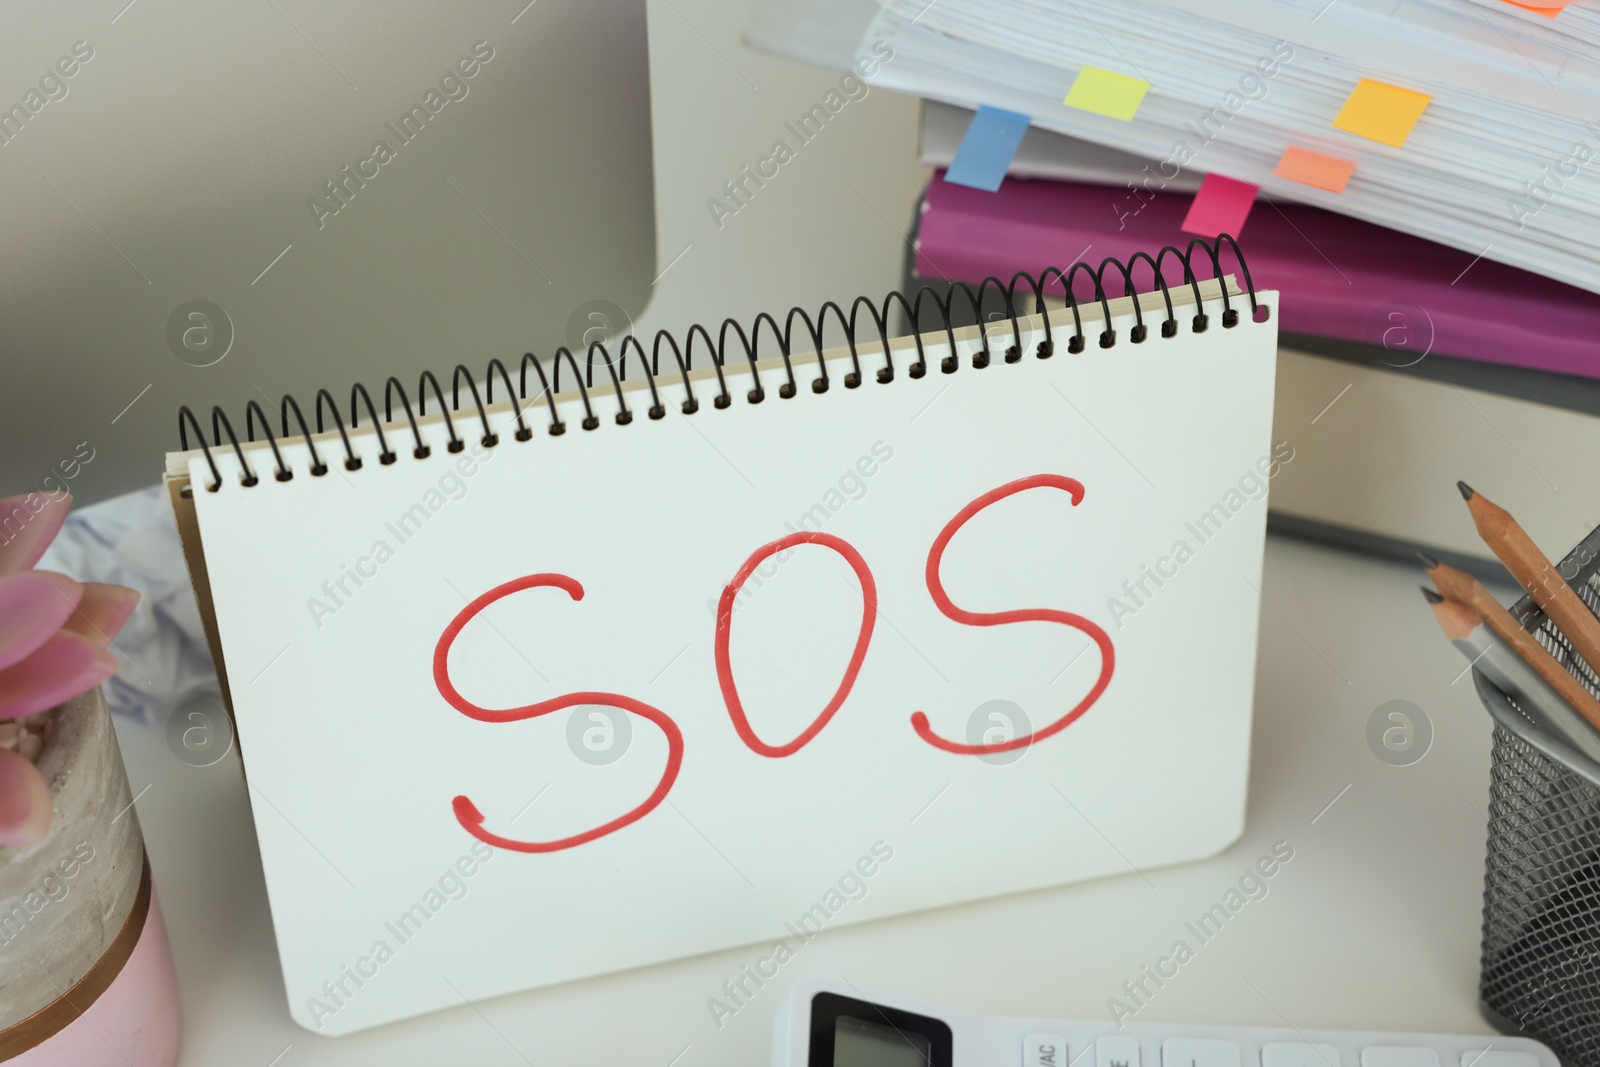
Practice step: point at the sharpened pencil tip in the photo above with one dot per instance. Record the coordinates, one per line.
(1431, 597)
(1427, 560)
(1466, 490)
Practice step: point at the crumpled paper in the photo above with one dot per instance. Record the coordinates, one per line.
(132, 540)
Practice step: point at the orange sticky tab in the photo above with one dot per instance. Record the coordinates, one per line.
(1549, 11)
(1314, 169)
(1381, 112)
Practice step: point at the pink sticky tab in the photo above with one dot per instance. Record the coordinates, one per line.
(1221, 206)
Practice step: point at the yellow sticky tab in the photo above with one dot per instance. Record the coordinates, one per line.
(1106, 93)
(1381, 112)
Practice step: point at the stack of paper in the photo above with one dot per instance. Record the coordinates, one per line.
(1469, 123)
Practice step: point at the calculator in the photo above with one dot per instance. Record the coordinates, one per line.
(833, 1023)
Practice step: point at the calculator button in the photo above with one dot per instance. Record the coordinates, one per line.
(1048, 1050)
(1478, 1057)
(1398, 1056)
(1297, 1054)
(1198, 1052)
(1114, 1051)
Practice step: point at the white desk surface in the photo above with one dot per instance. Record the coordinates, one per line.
(1374, 925)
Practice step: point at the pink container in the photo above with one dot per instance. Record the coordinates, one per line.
(86, 974)
(134, 1023)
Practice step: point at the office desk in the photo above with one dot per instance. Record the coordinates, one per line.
(1374, 924)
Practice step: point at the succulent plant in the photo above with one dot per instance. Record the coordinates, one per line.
(55, 643)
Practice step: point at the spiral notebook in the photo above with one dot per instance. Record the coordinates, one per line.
(536, 679)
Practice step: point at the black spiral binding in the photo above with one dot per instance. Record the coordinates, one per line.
(750, 343)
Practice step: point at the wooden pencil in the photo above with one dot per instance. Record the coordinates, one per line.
(1513, 547)
(1473, 638)
(1464, 589)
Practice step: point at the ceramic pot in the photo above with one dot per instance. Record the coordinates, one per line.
(86, 975)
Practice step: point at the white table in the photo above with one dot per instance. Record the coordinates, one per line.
(1374, 924)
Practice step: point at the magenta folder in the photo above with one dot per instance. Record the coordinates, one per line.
(1340, 277)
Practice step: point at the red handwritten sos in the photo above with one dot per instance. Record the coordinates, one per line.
(467, 813)
(472, 820)
(869, 614)
(941, 599)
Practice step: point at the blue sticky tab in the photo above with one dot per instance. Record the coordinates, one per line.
(986, 150)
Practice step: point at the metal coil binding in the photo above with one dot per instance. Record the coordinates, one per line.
(721, 349)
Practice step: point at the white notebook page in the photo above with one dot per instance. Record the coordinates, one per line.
(606, 553)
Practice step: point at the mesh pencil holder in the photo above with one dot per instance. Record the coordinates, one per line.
(1540, 969)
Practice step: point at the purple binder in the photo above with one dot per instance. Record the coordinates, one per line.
(1340, 277)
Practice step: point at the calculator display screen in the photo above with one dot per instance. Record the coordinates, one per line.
(857, 1043)
(851, 1032)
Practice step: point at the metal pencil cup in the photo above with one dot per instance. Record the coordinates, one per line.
(1540, 969)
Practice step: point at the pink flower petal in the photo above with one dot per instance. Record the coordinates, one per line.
(28, 524)
(24, 802)
(63, 667)
(33, 606)
(102, 611)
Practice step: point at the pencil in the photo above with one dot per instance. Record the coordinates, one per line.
(1466, 630)
(1512, 545)
(1464, 589)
